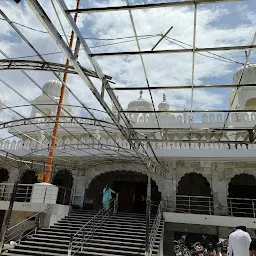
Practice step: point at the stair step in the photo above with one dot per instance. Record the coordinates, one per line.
(122, 234)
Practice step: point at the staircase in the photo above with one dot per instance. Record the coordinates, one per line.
(121, 234)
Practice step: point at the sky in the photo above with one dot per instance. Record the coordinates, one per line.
(222, 24)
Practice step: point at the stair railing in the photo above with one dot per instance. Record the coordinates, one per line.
(154, 229)
(17, 232)
(81, 237)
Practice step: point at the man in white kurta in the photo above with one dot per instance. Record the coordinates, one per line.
(239, 242)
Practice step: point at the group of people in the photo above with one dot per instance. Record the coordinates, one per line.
(240, 243)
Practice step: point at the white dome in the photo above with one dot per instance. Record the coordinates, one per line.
(249, 75)
(164, 106)
(53, 87)
(140, 104)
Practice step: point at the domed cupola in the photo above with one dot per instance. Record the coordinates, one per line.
(53, 87)
(140, 104)
(164, 105)
(245, 96)
(249, 75)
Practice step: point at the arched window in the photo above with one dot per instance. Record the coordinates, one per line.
(242, 195)
(194, 194)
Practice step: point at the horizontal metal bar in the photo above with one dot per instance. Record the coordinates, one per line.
(189, 50)
(6, 64)
(147, 6)
(181, 129)
(193, 110)
(177, 87)
(208, 141)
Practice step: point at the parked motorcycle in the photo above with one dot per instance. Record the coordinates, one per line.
(197, 249)
(180, 247)
(222, 247)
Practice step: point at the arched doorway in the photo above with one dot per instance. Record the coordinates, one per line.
(24, 191)
(64, 180)
(242, 195)
(132, 189)
(4, 175)
(194, 194)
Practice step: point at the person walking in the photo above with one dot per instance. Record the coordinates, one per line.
(107, 197)
(239, 242)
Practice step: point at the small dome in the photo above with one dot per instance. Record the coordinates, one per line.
(164, 106)
(53, 87)
(140, 104)
(249, 75)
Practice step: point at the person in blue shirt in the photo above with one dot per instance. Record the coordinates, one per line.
(107, 197)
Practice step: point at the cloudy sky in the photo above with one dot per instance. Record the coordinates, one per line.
(217, 25)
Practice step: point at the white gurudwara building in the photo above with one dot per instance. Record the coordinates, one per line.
(204, 183)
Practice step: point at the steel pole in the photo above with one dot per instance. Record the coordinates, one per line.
(148, 206)
(48, 170)
(7, 217)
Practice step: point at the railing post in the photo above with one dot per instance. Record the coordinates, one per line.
(26, 194)
(70, 245)
(64, 197)
(210, 206)
(189, 210)
(116, 203)
(231, 208)
(71, 197)
(82, 244)
(253, 208)
(45, 194)
(148, 215)
(37, 223)
(21, 233)
(8, 214)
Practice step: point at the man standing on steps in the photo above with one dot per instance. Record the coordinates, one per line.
(239, 242)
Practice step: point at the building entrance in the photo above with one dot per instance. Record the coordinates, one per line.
(132, 196)
(132, 189)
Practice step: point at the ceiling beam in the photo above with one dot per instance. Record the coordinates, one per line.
(146, 6)
(177, 87)
(187, 50)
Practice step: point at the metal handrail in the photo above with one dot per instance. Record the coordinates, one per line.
(77, 240)
(19, 234)
(155, 228)
(24, 193)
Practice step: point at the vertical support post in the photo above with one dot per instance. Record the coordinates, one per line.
(48, 170)
(7, 218)
(148, 206)
(189, 210)
(70, 244)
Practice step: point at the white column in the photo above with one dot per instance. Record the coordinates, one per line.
(220, 191)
